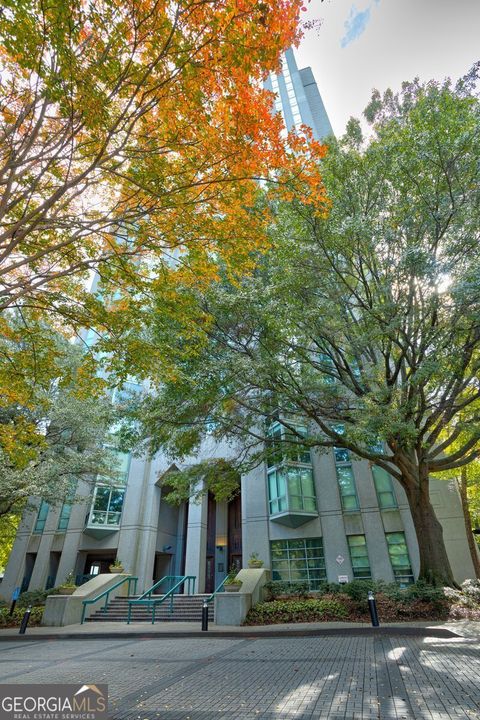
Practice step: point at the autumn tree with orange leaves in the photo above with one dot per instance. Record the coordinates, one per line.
(133, 134)
(133, 129)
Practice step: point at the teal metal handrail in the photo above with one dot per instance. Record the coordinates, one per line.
(146, 598)
(171, 579)
(217, 590)
(106, 594)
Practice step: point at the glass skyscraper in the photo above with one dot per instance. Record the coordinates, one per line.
(298, 98)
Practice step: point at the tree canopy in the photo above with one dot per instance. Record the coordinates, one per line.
(129, 130)
(56, 439)
(132, 138)
(364, 325)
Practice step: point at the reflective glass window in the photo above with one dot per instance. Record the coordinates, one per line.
(357, 546)
(384, 488)
(299, 560)
(41, 517)
(399, 558)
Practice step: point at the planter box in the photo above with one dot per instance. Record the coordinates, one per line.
(68, 590)
(116, 570)
(255, 564)
(232, 587)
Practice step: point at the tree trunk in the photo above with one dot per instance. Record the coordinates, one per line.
(434, 563)
(462, 486)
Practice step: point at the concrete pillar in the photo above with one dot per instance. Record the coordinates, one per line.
(380, 565)
(42, 563)
(255, 517)
(335, 548)
(139, 523)
(74, 535)
(16, 563)
(196, 551)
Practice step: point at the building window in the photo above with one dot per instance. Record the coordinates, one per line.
(357, 546)
(299, 561)
(41, 517)
(398, 552)
(106, 506)
(346, 480)
(120, 469)
(64, 518)
(291, 486)
(283, 445)
(342, 455)
(384, 488)
(346, 484)
(277, 492)
(107, 502)
(291, 489)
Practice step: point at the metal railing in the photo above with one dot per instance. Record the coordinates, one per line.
(218, 589)
(106, 594)
(147, 599)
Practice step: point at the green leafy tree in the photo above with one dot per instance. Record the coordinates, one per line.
(364, 324)
(132, 136)
(55, 441)
(8, 530)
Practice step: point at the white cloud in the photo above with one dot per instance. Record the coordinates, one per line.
(355, 25)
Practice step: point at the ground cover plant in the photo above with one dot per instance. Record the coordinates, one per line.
(14, 620)
(291, 602)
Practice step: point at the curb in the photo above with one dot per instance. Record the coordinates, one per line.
(389, 631)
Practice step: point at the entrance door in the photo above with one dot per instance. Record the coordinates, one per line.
(235, 533)
(98, 564)
(162, 568)
(211, 534)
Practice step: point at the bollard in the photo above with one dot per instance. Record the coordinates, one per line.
(205, 617)
(25, 619)
(372, 606)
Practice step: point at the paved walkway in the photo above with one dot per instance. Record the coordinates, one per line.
(463, 628)
(310, 678)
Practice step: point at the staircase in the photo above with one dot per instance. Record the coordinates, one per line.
(186, 608)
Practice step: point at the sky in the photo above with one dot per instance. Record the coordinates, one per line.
(378, 44)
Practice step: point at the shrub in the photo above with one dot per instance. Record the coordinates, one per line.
(292, 611)
(35, 598)
(15, 620)
(472, 589)
(280, 587)
(358, 589)
(424, 592)
(326, 588)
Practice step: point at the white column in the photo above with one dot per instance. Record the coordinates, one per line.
(196, 550)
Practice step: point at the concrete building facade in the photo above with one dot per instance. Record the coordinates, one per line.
(311, 517)
(323, 517)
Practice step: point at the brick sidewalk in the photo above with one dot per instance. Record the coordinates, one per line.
(464, 628)
(352, 678)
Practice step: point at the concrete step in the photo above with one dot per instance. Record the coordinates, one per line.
(186, 608)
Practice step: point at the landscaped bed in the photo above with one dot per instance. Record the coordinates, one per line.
(34, 599)
(9, 621)
(292, 603)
